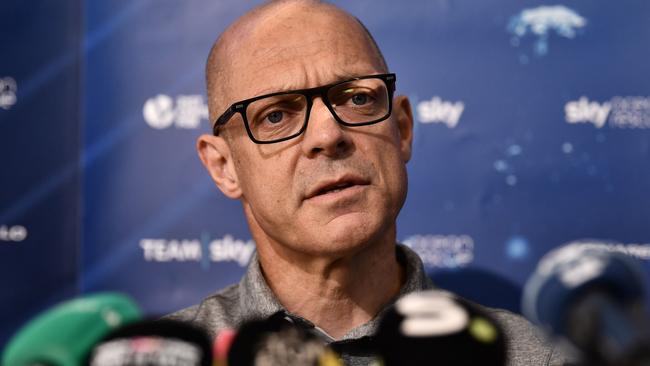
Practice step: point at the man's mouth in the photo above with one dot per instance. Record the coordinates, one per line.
(334, 189)
(336, 186)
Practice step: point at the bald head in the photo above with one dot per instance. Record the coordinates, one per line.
(271, 30)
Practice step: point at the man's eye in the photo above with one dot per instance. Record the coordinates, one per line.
(360, 99)
(275, 117)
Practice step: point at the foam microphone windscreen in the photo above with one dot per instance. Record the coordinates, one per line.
(221, 347)
(277, 342)
(154, 343)
(65, 334)
(436, 327)
(595, 299)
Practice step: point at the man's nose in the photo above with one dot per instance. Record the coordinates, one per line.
(324, 135)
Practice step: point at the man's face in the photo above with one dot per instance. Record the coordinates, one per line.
(333, 189)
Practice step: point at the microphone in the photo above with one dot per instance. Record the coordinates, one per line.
(154, 343)
(275, 341)
(438, 327)
(594, 299)
(65, 334)
(221, 347)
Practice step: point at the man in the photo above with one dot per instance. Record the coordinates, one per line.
(320, 171)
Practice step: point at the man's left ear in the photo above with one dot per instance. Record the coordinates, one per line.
(404, 117)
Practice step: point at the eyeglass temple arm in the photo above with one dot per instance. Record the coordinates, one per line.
(223, 119)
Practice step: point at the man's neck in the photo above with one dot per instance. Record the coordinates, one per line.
(336, 294)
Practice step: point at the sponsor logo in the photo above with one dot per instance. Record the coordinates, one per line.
(543, 20)
(437, 110)
(183, 112)
(619, 112)
(442, 251)
(431, 314)
(226, 249)
(146, 350)
(574, 268)
(8, 90)
(15, 233)
(637, 250)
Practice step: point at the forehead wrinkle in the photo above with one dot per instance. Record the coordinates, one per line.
(348, 64)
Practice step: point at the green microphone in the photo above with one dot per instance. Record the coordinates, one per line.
(65, 334)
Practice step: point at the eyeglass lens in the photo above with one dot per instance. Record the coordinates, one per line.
(354, 102)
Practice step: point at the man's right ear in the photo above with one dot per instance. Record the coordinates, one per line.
(216, 156)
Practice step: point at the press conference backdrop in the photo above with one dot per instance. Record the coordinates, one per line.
(532, 131)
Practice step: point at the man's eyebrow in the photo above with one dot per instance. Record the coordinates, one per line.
(284, 88)
(343, 76)
(276, 89)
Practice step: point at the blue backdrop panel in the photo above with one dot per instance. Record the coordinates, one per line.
(151, 214)
(532, 131)
(39, 150)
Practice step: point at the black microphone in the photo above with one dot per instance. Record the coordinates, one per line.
(437, 327)
(154, 343)
(594, 299)
(276, 341)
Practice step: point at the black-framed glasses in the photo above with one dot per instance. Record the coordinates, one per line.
(284, 115)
